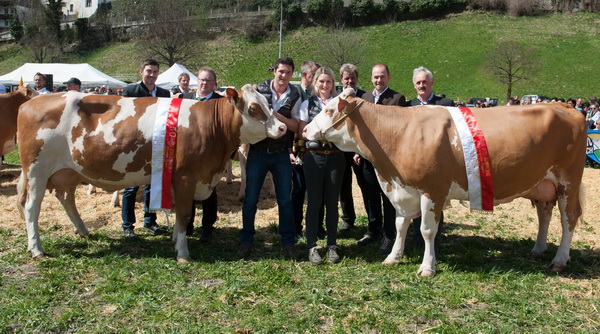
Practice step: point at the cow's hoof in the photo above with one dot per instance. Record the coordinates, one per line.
(537, 253)
(184, 260)
(557, 268)
(426, 272)
(39, 256)
(390, 262)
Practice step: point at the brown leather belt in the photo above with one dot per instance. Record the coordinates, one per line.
(323, 151)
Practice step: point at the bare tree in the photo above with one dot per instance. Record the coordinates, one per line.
(172, 29)
(340, 47)
(511, 62)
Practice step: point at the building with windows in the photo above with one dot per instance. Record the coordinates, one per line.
(6, 14)
(75, 9)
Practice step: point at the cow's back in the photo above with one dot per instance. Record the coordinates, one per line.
(531, 143)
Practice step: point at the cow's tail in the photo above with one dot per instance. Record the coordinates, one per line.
(582, 201)
(22, 194)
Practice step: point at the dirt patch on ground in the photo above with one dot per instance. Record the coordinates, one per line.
(95, 210)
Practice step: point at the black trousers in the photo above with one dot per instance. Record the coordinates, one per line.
(209, 213)
(378, 222)
(346, 199)
(323, 173)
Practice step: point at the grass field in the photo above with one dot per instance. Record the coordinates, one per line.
(566, 46)
(486, 280)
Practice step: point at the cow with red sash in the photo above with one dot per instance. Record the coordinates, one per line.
(426, 155)
(116, 142)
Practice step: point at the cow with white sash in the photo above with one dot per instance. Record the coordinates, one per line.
(424, 156)
(115, 142)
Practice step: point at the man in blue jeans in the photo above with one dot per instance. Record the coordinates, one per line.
(147, 87)
(273, 155)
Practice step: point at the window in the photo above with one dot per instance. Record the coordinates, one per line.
(88, 3)
(71, 8)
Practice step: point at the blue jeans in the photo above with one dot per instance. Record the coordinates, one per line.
(128, 207)
(258, 164)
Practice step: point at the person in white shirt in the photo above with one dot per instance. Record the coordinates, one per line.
(39, 81)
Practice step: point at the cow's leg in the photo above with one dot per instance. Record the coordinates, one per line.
(229, 167)
(429, 227)
(67, 199)
(395, 255)
(242, 192)
(569, 205)
(91, 189)
(35, 195)
(544, 213)
(183, 211)
(114, 201)
(271, 185)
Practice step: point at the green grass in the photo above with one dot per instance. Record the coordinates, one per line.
(104, 284)
(453, 48)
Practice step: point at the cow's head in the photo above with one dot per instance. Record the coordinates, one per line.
(259, 121)
(329, 124)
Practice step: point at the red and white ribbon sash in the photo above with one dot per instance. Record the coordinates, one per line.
(164, 139)
(477, 159)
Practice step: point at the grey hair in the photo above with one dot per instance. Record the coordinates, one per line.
(308, 65)
(422, 69)
(350, 68)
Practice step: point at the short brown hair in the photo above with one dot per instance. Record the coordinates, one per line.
(149, 62)
(182, 75)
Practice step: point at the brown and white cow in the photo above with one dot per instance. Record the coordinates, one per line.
(536, 152)
(65, 139)
(9, 109)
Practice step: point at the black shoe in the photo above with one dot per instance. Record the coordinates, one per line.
(128, 233)
(244, 251)
(346, 227)
(206, 235)
(291, 252)
(368, 238)
(386, 246)
(154, 229)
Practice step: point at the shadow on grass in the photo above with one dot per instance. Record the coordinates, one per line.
(476, 254)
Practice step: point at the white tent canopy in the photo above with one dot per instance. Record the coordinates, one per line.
(169, 78)
(86, 73)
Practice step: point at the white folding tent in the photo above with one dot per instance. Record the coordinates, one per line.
(169, 78)
(86, 73)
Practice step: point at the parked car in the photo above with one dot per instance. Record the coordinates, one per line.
(491, 102)
(535, 97)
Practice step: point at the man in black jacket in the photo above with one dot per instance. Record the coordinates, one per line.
(207, 83)
(146, 87)
(423, 82)
(380, 226)
(349, 79)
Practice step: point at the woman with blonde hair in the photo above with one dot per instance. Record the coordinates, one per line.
(324, 167)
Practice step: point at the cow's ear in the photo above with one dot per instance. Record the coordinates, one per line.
(232, 95)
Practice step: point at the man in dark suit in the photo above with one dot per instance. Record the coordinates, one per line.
(382, 94)
(349, 79)
(146, 87)
(207, 83)
(423, 82)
